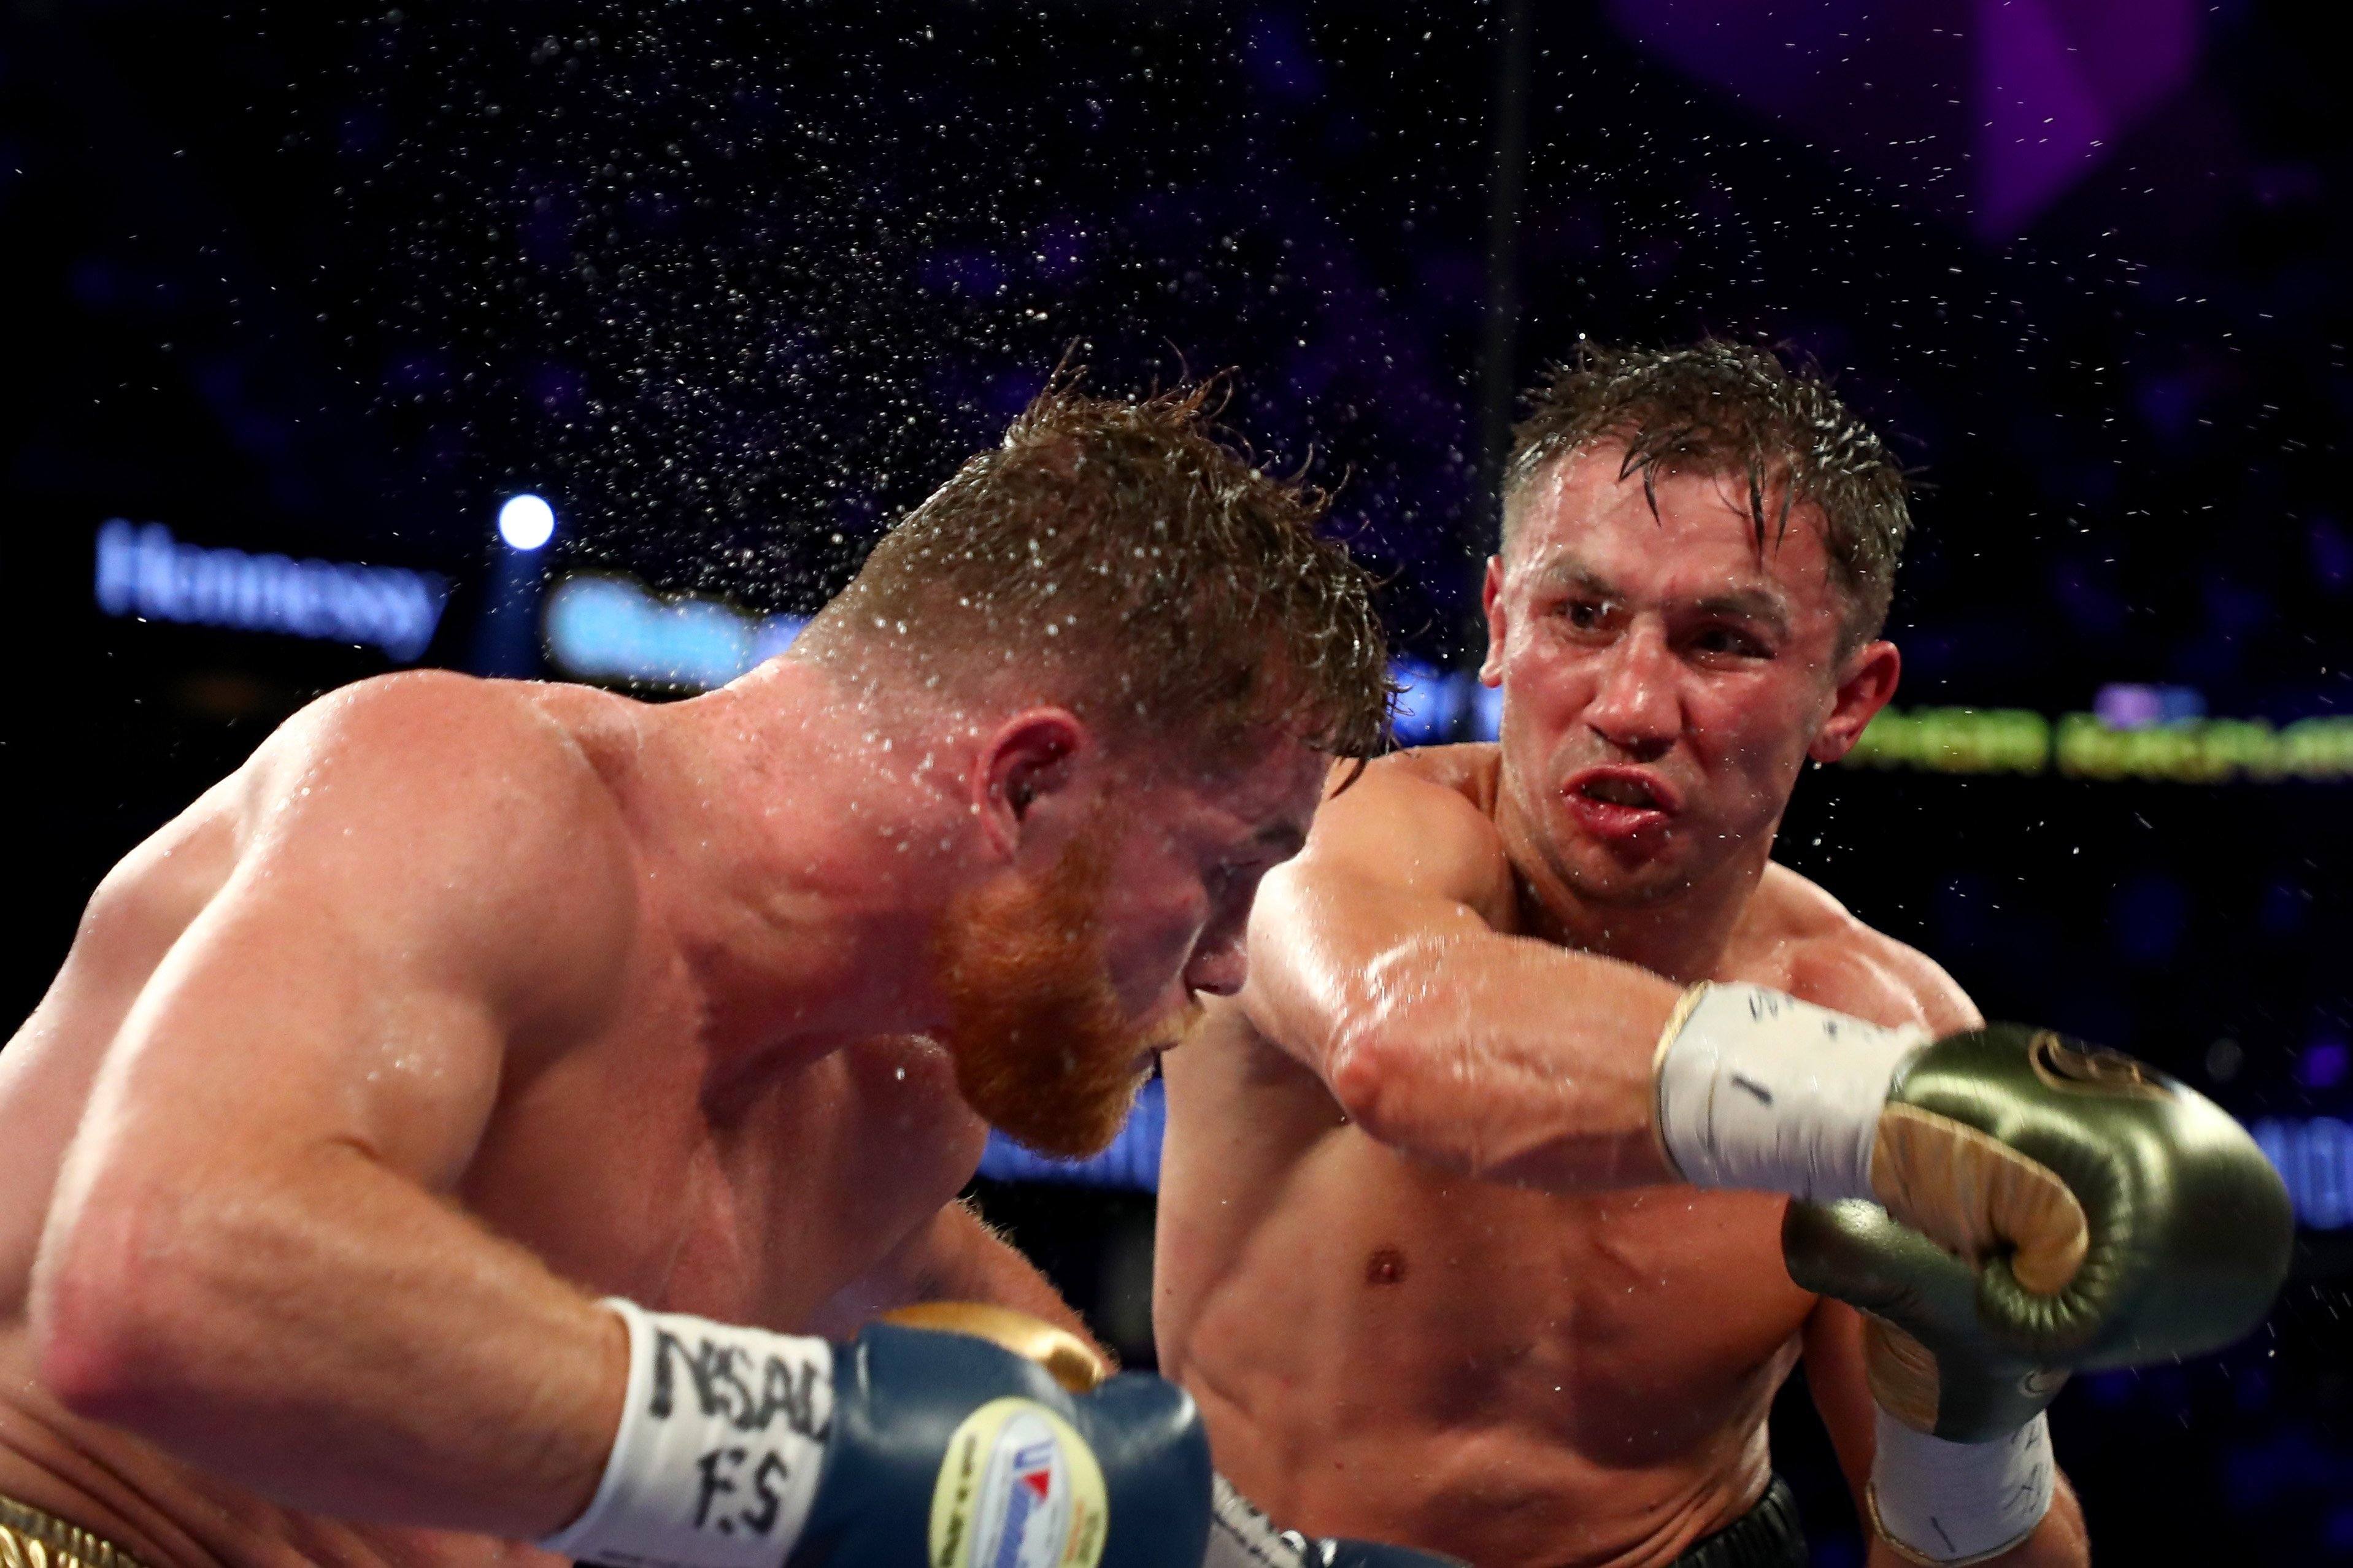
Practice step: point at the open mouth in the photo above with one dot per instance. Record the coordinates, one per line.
(1618, 790)
(1620, 803)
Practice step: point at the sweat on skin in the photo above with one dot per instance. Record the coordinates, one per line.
(1434, 1102)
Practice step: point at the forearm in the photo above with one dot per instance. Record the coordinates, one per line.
(954, 1256)
(2059, 1541)
(1502, 1057)
(975, 1263)
(338, 1340)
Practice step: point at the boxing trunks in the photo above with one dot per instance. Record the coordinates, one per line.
(31, 1539)
(1767, 1536)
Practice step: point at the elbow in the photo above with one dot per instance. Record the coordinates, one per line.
(109, 1343)
(1368, 1057)
(1361, 1071)
(1382, 1077)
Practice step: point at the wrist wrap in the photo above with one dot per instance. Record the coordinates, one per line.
(1757, 1089)
(715, 1465)
(1947, 1503)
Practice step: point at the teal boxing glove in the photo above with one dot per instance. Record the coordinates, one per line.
(912, 1447)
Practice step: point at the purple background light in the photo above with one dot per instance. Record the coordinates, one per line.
(1987, 110)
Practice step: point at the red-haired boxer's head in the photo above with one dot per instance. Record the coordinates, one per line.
(1147, 659)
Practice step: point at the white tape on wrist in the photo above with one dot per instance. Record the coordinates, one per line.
(1948, 1503)
(715, 1465)
(1757, 1089)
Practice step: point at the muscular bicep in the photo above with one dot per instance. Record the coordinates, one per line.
(249, 1259)
(399, 910)
(280, 1020)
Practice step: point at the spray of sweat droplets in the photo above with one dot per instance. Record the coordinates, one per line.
(743, 284)
(649, 260)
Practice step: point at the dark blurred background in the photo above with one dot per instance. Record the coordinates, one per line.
(299, 297)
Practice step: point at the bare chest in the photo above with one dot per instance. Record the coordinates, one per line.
(623, 1169)
(1519, 1375)
(1565, 1308)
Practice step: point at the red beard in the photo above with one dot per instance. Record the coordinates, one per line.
(1043, 1048)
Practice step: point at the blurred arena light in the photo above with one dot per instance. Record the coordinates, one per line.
(2314, 1155)
(526, 522)
(1428, 702)
(1486, 712)
(608, 628)
(1131, 1164)
(2124, 705)
(2141, 733)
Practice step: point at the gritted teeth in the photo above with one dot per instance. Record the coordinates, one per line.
(1622, 792)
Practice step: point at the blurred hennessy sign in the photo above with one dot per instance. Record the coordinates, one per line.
(143, 572)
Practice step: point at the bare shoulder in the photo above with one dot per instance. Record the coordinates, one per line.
(475, 807)
(425, 740)
(1420, 819)
(424, 721)
(1826, 955)
(1467, 771)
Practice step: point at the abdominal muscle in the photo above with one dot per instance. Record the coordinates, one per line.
(1383, 1350)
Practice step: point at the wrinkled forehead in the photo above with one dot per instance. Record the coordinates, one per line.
(1578, 517)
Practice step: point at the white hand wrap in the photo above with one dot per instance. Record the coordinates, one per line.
(1757, 1089)
(715, 1465)
(1946, 1503)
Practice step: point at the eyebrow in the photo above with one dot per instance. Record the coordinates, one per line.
(1765, 605)
(1568, 571)
(1748, 603)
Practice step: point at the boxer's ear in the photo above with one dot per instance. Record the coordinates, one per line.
(1023, 765)
(1866, 684)
(1490, 600)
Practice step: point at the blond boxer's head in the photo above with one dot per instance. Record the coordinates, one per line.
(1699, 547)
(1126, 640)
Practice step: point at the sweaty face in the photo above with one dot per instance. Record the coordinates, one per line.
(1662, 678)
(1060, 988)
